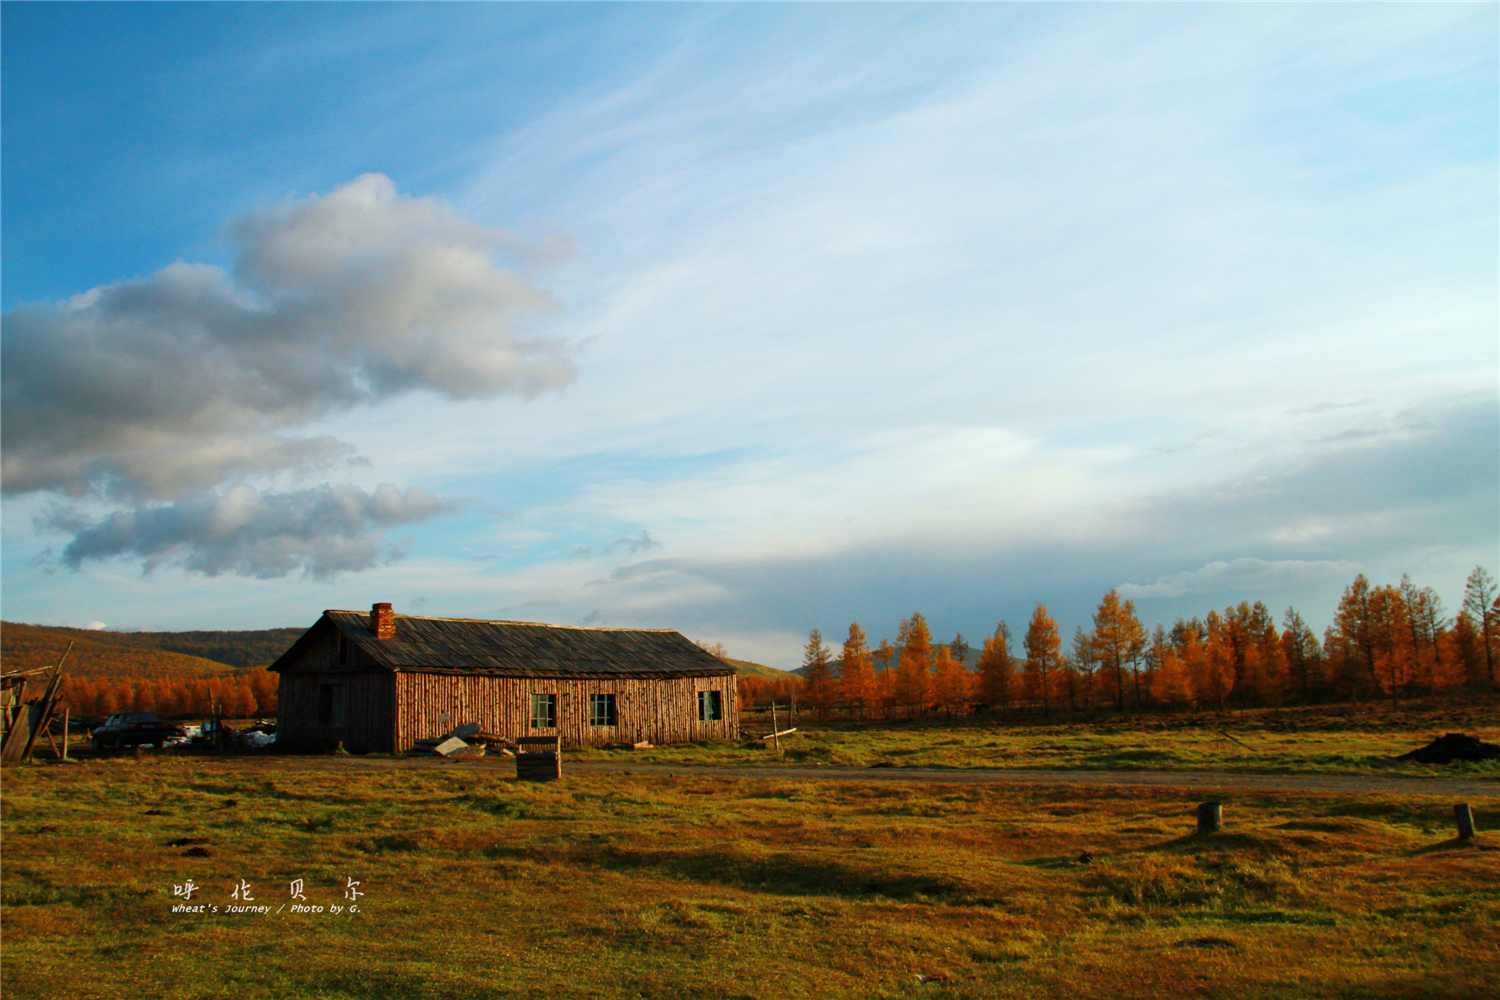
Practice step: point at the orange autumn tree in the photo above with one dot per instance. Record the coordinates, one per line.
(950, 681)
(817, 674)
(1216, 667)
(1482, 606)
(856, 672)
(885, 678)
(1043, 658)
(1171, 682)
(913, 671)
(997, 669)
(1118, 640)
(1303, 656)
(1085, 663)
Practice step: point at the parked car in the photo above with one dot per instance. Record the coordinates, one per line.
(133, 729)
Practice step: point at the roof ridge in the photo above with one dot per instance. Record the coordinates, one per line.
(504, 621)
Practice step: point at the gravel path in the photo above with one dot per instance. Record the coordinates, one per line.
(1208, 780)
(1456, 790)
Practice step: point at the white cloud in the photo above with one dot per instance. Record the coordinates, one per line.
(160, 386)
(1246, 575)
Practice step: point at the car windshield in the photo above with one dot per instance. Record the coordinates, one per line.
(140, 717)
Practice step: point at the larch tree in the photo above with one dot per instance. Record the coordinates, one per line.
(1462, 650)
(856, 672)
(885, 678)
(1269, 676)
(914, 672)
(817, 675)
(1424, 614)
(1171, 684)
(1218, 662)
(1118, 640)
(1482, 605)
(997, 669)
(1303, 656)
(950, 681)
(1355, 637)
(959, 650)
(1392, 647)
(1085, 663)
(1043, 658)
(266, 686)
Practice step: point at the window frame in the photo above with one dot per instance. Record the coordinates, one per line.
(710, 706)
(609, 717)
(539, 698)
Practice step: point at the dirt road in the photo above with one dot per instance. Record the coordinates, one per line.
(1456, 790)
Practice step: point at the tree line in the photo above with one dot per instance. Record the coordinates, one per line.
(243, 695)
(1391, 641)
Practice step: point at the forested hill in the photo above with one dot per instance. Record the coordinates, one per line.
(747, 669)
(151, 655)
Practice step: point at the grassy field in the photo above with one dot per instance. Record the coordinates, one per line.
(626, 886)
(1339, 740)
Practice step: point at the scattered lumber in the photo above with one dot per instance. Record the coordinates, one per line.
(784, 732)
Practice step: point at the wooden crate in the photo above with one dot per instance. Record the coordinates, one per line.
(544, 763)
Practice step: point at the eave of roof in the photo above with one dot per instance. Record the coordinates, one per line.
(478, 647)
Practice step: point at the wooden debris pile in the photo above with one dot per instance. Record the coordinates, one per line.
(467, 740)
(24, 720)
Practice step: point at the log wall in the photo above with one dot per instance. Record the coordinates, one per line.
(387, 711)
(661, 710)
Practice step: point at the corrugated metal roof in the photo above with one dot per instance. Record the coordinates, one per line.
(520, 649)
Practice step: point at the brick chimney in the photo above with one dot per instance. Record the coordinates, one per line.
(383, 621)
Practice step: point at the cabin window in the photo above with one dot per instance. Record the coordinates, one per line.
(544, 711)
(330, 704)
(602, 710)
(710, 706)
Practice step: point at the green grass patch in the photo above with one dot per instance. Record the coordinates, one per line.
(1338, 740)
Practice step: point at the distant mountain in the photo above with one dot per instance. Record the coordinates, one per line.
(97, 655)
(747, 669)
(971, 662)
(236, 650)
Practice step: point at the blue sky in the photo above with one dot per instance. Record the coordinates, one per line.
(744, 319)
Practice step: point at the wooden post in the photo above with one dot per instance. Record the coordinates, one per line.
(774, 728)
(1464, 817)
(1210, 817)
(66, 713)
(41, 712)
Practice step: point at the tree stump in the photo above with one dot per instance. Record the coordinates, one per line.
(1464, 817)
(1210, 817)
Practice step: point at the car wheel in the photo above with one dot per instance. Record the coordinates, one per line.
(119, 743)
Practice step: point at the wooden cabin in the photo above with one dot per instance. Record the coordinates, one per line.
(380, 681)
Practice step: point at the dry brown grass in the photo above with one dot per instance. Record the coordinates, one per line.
(629, 886)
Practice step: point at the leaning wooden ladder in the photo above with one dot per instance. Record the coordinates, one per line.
(541, 764)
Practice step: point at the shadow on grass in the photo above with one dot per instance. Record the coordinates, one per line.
(375, 984)
(1453, 845)
(782, 873)
(1221, 842)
